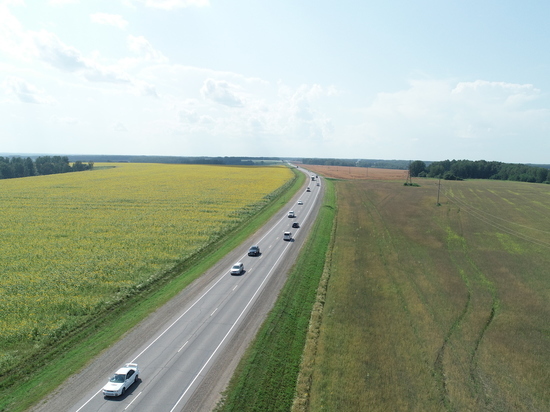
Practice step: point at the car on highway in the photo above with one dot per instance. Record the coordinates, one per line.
(296, 225)
(254, 251)
(291, 214)
(287, 236)
(121, 380)
(237, 268)
(308, 190)
(300, 202)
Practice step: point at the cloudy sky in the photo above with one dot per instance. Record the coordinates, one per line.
(394, 79)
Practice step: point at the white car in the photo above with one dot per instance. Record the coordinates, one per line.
(237, 268)
(121, 380)
(300, 202)
(287, 236)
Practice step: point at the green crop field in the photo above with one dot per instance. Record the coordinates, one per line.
(436, 308)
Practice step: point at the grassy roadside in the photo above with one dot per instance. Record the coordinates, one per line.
(38, 375)
(265, 379)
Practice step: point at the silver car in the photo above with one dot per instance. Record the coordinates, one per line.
(237, 268)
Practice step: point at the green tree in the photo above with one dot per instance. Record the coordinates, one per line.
(416, 167)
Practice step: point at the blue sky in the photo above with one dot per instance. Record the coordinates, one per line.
(428, 79)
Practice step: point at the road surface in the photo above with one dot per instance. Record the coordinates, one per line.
(187, 350)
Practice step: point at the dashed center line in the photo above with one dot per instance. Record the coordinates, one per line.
(183, 346)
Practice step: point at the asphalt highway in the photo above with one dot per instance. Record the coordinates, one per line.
(187, 351)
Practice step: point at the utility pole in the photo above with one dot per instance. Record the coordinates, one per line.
(409, 178)
(438, 190)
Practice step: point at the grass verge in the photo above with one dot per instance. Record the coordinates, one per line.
(265, 379)
(38, 375)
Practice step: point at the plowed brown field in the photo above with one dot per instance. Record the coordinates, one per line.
(344, 172)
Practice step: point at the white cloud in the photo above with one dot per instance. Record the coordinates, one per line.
(438, 115)
(145, 89)
(27, 45)
(97, 73)
(508, 94)
(119, 127)
(141, 46)
(54, 52)
(222, 92)
(64, 120)
(109, 20)
(25, 92)
(188, 116)
(57, 54)
(173, 4)
(14, 40)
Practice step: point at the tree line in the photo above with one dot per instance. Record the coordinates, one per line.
(480, 169)
(43, 165)
(380, 164)
(198, 160)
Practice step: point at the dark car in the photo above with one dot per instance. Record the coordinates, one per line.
(296, 225)
(254, 251)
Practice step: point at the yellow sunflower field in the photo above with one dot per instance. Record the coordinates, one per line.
(71, 242)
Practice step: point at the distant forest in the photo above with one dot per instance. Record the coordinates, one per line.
(481, 169)
(43, 165)
(380, 164)
(450, 169)
(200, 160)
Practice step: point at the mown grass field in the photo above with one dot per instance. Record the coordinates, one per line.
(75, 244)
(436, 308)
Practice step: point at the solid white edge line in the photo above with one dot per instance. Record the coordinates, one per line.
(88, 401)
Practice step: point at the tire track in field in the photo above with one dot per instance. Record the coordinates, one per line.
(477, 286)
(439, 368)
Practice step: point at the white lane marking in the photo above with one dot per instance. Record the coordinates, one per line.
(183, 346)
(88, 401)
(236, 286)
(130, 404)
(212, 314)
(260, 287)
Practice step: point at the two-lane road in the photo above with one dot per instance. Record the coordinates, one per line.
(192, 349)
